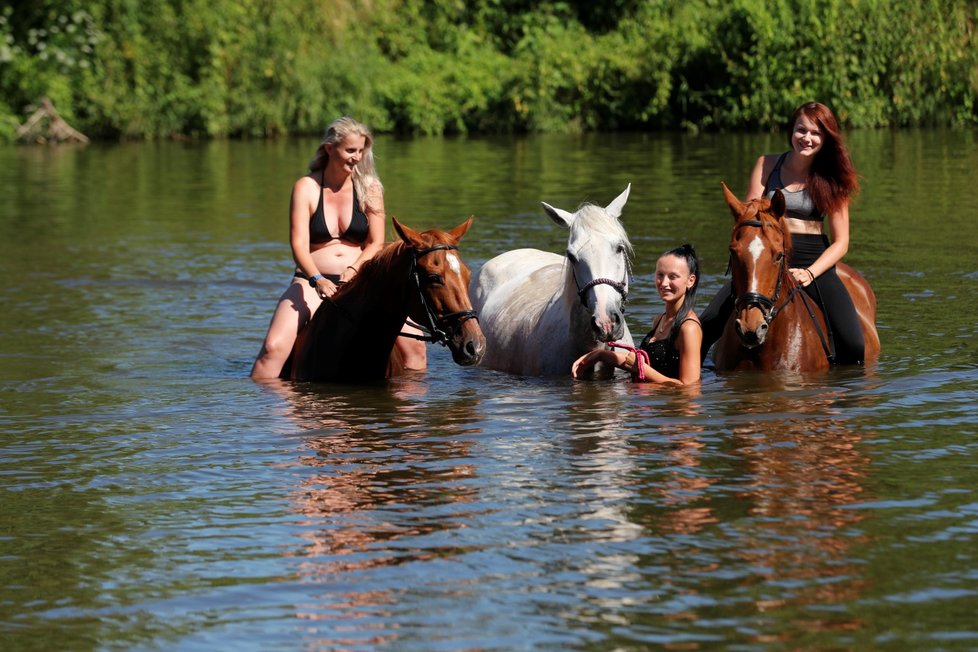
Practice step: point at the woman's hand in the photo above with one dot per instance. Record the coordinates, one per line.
(325, 288)
(584, 365)
(803, 276)
(348, 274)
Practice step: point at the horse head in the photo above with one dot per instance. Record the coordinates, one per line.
(442, 305)
(759, 249)
(598, 254)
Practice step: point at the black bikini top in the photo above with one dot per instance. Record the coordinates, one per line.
(355, 233)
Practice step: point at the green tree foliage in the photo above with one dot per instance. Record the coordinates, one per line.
(252, 68)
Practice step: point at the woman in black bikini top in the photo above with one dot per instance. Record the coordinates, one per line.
(342, 182)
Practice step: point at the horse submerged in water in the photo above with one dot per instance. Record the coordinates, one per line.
(540, 311)
(421, 277)
(775, 324)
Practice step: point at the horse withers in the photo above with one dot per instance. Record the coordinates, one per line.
(540, 311)
(775, 324)
(420, 276)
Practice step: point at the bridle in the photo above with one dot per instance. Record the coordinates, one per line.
(439, 327)
(620, 286)
(767, 305)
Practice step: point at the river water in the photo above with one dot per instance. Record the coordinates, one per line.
(153, 497)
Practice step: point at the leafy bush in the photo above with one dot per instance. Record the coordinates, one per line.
(252, 68)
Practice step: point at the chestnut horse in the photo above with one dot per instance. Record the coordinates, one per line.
(775, 324)
(421, 277)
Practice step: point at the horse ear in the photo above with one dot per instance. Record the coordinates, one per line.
(406, 233)
(736, 206)
(778, 206)
(460, 230)
(559, 215)
(615, 208)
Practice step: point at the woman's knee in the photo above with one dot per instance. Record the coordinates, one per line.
(277, 346)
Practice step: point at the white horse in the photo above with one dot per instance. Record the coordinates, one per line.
(541, 311)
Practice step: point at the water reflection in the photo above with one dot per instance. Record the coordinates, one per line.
(384, 474)
(191, 510)
(802, 474)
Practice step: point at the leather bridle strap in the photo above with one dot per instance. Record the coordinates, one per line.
(435, 329)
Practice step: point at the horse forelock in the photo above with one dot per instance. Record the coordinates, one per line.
(759, 211)
(593, 220)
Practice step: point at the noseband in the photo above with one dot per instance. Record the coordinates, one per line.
(439, 327)
(620, 286)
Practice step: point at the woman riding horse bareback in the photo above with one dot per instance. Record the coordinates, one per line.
(419, 277)
(541, 311)
(776, 323)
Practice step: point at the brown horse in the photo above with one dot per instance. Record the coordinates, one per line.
(775, 324)
(421, 277)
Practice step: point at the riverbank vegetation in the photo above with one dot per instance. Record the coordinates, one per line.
(252, 68)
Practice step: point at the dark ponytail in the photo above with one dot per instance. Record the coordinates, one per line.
(687, 253)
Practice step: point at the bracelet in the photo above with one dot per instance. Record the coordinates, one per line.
(314, 278)
(353, 268)
(810, 274)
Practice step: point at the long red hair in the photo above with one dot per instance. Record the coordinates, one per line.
(833, 179)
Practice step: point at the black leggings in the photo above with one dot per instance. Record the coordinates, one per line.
(827, 290)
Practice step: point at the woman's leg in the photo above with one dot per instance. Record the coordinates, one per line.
(714, 317)
(840, 312)
(414, 352)
(295, 308)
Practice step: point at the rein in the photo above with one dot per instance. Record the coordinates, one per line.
(435, 329)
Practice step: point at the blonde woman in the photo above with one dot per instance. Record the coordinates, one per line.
(336, 224)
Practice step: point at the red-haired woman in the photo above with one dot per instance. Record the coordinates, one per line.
(818, 179)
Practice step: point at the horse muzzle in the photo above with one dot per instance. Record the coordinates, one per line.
(610, 327)
(751, 326)
(467, 343)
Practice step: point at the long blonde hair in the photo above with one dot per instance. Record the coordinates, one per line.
(365, 172)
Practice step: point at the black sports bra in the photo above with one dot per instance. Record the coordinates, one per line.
(798, 203)
(355, 233)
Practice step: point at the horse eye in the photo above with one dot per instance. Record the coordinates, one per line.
(435, 279)
(620, 249)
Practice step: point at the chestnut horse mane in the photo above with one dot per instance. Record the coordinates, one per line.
(389, 260)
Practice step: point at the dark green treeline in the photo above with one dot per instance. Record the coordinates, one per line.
(213, 68)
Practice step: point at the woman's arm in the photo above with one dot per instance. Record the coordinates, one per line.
(760, 173)
(584, 364)
(839, 227)
(299, 212)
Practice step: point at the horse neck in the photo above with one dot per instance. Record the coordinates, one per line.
(377, 297)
